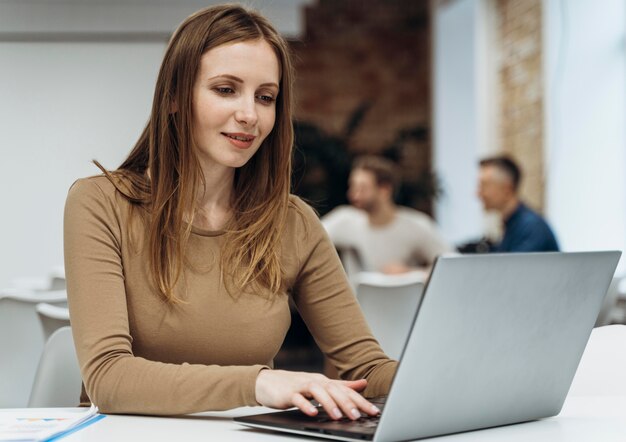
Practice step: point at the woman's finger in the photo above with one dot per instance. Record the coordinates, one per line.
(342, 396)
(326, 401)
(304, 405)
(363, 404)
(358, 385)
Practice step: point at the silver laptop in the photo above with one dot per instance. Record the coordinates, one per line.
(496, 340)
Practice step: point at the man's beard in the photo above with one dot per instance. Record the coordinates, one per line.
(366, 206)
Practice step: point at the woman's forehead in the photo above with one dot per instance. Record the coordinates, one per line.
(251, 60)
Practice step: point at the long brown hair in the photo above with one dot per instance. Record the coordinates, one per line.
(162, 171)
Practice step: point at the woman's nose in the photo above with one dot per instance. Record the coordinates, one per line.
(246, 114)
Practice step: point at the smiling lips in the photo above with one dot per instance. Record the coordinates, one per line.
(240, 140)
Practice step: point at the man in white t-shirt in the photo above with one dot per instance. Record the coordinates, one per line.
(385, 237)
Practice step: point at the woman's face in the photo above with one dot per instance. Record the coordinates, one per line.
(234, 102)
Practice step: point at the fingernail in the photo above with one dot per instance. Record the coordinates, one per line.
(375, 409)
(355, 413)
(313, 410)
(337, 413)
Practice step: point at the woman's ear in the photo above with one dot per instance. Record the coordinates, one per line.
(173, 106)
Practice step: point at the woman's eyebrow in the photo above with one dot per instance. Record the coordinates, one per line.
(228, 76)
(239, 80)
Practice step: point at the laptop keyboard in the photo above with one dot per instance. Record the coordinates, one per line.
(365, 421)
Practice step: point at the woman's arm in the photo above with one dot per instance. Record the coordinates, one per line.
(116, 380)
(329, 308)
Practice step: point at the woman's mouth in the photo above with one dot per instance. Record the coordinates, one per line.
(240, 140)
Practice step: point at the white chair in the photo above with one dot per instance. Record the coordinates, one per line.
(606, 315)
(54, 281)
(619, 311)
(602, 369)
(57, 278)
(30, 284)
(351, 262)
(389, 304)
(52, 317)
(57, 381)
(21, 343)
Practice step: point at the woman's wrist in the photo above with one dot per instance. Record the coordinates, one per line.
(258, 384)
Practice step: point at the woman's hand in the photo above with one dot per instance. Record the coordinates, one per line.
(285, 389)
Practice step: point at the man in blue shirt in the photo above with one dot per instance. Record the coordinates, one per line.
(524, 229)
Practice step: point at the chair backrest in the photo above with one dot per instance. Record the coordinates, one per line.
(21, 343)
(57, 381)
(352, 263)
(57, 283)
(389, 304)
(610, 302)
(54, 281)
(30, 284)
(52, 317)
(57, 278)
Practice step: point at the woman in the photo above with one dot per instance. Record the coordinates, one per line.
(181, 262)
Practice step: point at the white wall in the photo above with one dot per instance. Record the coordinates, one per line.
(62, 105)
(585, 108)
(76, 83)
(23, 17)
(585, 98)
(464, 112)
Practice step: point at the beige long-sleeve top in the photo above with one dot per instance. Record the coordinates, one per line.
(139, 354)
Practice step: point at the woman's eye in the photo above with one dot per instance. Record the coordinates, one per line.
(224, 90)
(266, 99)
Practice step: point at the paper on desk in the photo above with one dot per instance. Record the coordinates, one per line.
(38, 424)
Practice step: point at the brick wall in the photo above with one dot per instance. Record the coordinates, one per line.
(521, 91)
(373, 51)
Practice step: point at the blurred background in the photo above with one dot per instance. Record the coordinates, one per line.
(434, 85)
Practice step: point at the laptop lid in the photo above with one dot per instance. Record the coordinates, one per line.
(496, 340)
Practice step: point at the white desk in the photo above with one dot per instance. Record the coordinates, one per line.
(582, 419)
(590, 412)
(602, 369)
